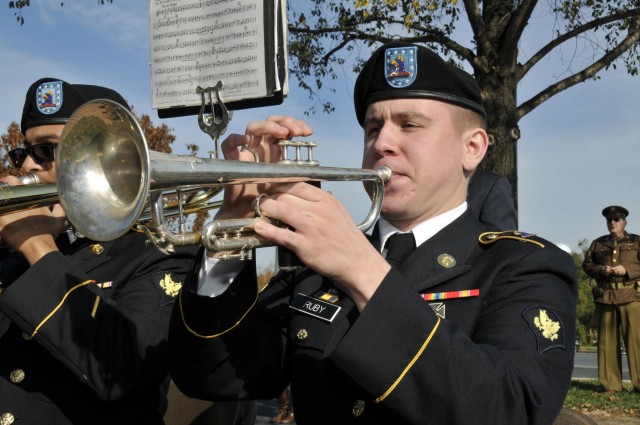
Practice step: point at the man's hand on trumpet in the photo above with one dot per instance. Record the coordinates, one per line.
(32, 232)
(325, 238)
(259, 143)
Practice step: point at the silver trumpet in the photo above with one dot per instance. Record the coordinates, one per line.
(107, 175)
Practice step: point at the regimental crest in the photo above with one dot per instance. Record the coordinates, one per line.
(546, 326)
(168, 288)
(401, 66)
(49, 97)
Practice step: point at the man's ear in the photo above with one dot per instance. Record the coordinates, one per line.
(476, 145)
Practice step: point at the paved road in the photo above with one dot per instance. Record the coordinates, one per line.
(585, 366)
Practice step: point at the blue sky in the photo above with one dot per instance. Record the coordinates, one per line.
(578, 152)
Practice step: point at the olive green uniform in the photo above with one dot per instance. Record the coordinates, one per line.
(618, 307)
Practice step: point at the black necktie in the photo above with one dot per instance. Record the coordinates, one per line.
(399, 246)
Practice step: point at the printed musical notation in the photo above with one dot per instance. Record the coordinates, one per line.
(198, 43)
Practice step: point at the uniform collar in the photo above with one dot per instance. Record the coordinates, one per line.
(424, 230)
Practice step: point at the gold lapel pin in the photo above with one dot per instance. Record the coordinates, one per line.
(96, 248)
(446, 261)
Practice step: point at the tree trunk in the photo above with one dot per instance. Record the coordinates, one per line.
(502, 156)
(502, 126)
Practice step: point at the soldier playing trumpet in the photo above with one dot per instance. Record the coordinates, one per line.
(434, 319)
(83, 325)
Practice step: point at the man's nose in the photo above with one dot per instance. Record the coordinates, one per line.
(386, 142)
(29, 165)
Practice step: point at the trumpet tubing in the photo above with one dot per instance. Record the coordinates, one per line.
(30, 194)
(106, 176)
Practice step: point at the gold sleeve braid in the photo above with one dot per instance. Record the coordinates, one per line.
(64, 298)
(411, 363)
(187, 327)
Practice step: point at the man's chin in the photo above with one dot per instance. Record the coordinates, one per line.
(393, 214)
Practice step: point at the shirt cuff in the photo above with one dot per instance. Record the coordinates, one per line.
(216, 276)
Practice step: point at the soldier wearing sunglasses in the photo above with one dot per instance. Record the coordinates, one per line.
(83, 325)
(613, 261)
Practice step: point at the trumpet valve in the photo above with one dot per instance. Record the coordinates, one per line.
(298, 146)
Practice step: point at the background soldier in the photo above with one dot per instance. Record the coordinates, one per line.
(612, 260)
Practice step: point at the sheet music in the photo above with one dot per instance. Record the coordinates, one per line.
(200, 42)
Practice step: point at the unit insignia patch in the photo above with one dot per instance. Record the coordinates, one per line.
(168, 288)
(546, 326)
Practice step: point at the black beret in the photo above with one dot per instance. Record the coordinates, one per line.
(403, 70)
(615, 211)
(52, 101)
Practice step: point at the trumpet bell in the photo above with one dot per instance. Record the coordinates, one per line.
(103, 169)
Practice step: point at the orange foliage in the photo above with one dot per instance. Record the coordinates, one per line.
(10, 140)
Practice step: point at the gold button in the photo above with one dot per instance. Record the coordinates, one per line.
(96, 248)
(358, 408)
(615, 252)
(614, 260)
(446, 260)
(17, 376)
(302, 335)
(6, 419)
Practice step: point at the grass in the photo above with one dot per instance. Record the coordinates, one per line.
(585, 396)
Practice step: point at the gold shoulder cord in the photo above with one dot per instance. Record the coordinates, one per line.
(184, 322)
(488, 238)
(410, 365)
(86, 282)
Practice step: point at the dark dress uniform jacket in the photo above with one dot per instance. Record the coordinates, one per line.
(83, 334)
(502, 357)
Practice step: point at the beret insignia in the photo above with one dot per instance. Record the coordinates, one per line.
(167, 286)
(401, 66)
(546, 326)
(491, 237)
(49, 97)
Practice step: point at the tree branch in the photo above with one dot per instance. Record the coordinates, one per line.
(590, 71)
(353, 32)
(517, 24)
(523, 69)
(475, 18)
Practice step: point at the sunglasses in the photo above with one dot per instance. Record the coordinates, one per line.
(40, 153)
(615, 219)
